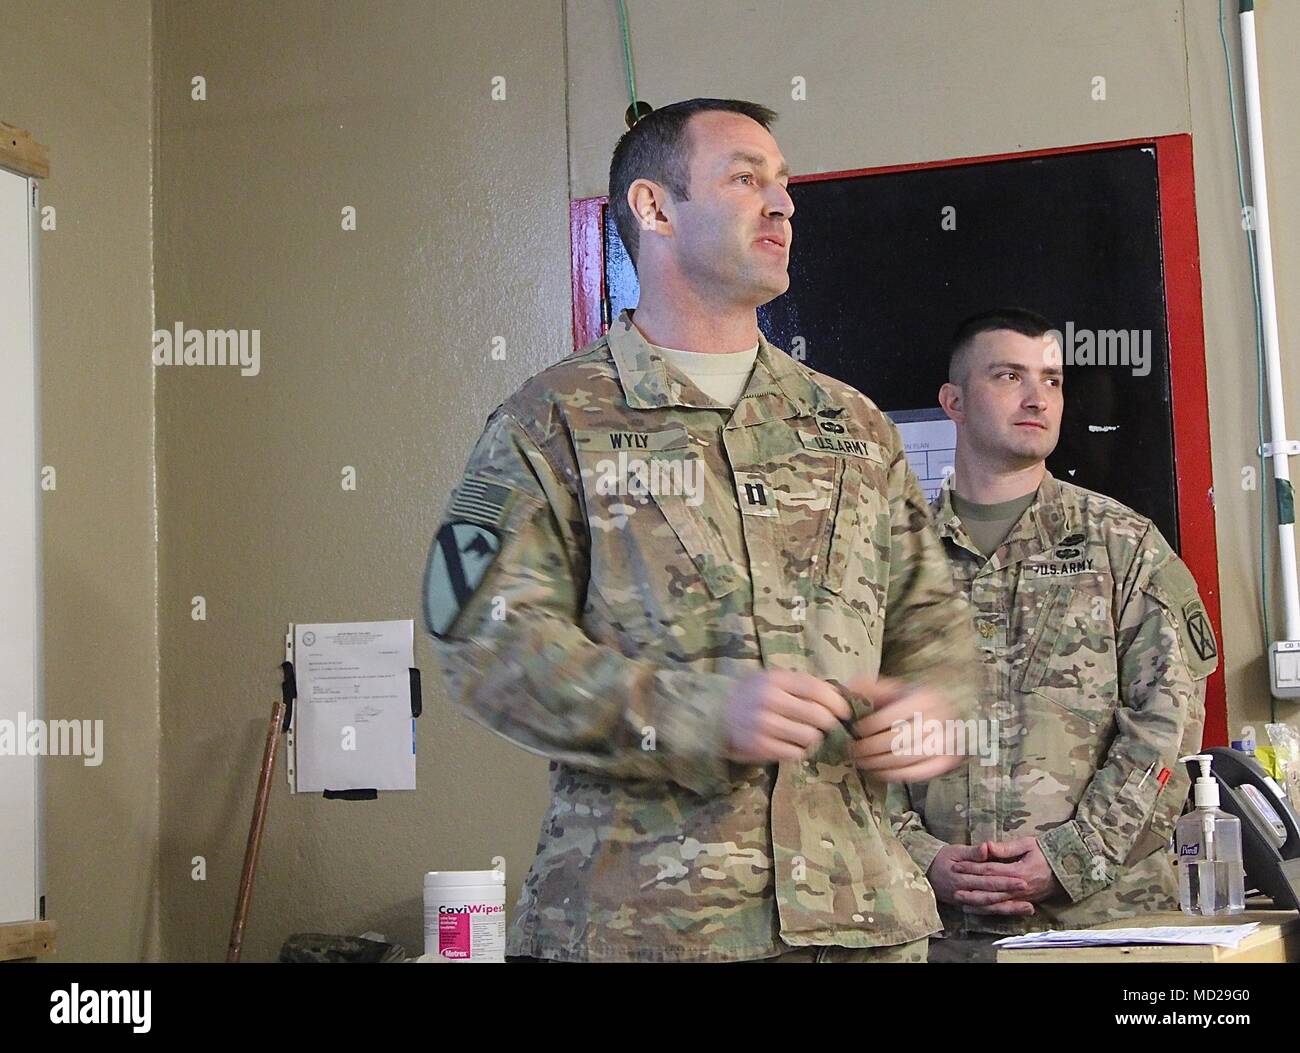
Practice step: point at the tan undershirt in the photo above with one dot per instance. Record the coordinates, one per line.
(722, 377)
(989, 525)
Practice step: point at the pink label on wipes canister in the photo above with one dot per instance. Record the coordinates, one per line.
(453, 935)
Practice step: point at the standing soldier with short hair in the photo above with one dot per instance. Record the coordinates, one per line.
(1095, 648)
(675, 565)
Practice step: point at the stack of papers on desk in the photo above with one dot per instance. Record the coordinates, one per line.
(1187, 935)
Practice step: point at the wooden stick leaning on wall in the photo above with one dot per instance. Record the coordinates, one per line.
(279, 713)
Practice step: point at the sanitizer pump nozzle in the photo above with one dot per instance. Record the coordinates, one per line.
(1207, 786)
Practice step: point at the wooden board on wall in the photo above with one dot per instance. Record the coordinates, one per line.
(29, 940)
(20, 153)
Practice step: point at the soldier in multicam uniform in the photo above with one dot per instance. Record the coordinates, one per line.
(679, 582)
(1095, 648)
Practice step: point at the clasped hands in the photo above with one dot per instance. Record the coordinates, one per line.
(994, 877)
(783, 715)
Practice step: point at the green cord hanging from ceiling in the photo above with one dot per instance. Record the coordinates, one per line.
(637, 109)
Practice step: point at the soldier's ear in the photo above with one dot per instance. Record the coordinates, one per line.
(644, 198)
(951, 401)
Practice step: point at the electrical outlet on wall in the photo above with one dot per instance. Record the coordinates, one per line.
(1284, 668)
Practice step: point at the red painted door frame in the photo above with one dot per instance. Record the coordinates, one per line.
(1180, 251)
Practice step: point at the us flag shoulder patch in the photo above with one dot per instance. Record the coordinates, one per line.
(482, 501)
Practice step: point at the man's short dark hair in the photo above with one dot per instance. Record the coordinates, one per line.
(657, 148)
(1016, 319)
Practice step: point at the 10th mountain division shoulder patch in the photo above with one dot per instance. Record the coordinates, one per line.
(1176, 589)
(1199, 632)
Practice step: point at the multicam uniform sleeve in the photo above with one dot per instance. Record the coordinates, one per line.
(1165, 650)
(908, 825)
(928, 635)
(503, 592)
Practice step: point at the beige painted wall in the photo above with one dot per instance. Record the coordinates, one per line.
(375, 353)
(78, 77)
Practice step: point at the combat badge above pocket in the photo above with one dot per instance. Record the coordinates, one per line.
(481, 515)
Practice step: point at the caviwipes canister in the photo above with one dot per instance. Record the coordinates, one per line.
(465, 915)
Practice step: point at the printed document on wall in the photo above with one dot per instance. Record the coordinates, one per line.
(352, 720)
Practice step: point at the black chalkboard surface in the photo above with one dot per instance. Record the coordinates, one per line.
(877, 285)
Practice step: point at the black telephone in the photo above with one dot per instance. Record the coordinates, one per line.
(1270, 829)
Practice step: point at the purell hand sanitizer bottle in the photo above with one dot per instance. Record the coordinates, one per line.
(1208, 842)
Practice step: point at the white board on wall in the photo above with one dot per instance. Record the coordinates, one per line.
(21, 700)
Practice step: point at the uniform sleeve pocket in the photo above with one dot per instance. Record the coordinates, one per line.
(1145, 813)
(1169, 806)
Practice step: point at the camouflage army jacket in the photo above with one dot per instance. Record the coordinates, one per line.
(620, 549)
(1095, 648)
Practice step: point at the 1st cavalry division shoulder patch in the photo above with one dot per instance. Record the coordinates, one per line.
(465, 547)
(462, 553)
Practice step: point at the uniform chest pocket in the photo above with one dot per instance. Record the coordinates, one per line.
(627, 477)
(1043, 621)
(701, 542)
(842, 526)
(1070, 658)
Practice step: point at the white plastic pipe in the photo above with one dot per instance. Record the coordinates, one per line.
(1268, 300)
